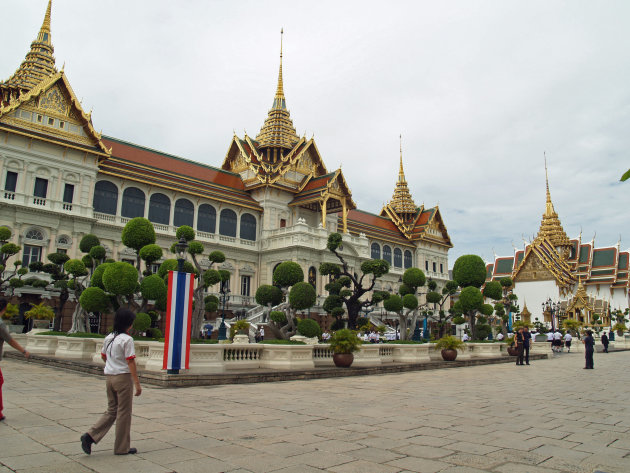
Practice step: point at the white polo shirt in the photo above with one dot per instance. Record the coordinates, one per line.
(117, 351)
(568, 337)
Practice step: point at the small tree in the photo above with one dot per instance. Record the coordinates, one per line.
(7, 250)
(469, 271)
(444, 317)
(268, 296)
(357, 287)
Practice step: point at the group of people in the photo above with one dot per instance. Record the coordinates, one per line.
(259, 335)
(559, 341)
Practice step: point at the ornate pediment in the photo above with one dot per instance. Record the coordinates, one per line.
(533, 269)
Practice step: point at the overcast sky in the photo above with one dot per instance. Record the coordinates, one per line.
(479, 91)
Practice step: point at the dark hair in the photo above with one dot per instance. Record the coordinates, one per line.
(123, 319)
(589, 332)
(3, 303)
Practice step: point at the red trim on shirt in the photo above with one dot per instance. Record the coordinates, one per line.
(130, 357)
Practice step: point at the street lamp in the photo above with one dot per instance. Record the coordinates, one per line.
(552, 308)
(180, 250)
(225, 296)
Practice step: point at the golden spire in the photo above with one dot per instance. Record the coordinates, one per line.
(550, 226)
(278, 130)
(402, 202)
(39, 62)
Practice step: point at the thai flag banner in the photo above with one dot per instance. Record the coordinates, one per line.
(178, 318)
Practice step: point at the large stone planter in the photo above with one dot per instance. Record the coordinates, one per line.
(42, 344)
(288, 357)
(76, 348)
(407, 353)
(343, 360)
(484, 350)
(242, 357)
(449, 355)
(367, 355)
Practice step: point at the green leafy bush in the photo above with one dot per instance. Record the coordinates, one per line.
(287, 274)
(155, 333)
(469, 270)
(302, 296)
(278, 317)
(449, 342)
(138, 232)
(309, 328)
(152, 287)
(94, 299)
(142, 322)
(87, 242)
(344, 341)
(120, 278)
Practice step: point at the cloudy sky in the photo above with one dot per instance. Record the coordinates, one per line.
(479, 91)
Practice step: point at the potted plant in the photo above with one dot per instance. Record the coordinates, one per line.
(449, 346)
(343, 343)
(620, 328)
(41, 314)
(241, 327)
(511, 349)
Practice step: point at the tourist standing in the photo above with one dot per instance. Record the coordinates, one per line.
(257, 335)
(262, 333)
(589, 348)
(465, 337)
(5, 336)
(567, 341)
(605, 342)
(519, 342)
(527, 340)
(500, 337)
(121, 375)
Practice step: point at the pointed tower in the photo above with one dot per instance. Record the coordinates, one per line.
(277, 135)
(38, 64)
(402, 203)
(551, 228)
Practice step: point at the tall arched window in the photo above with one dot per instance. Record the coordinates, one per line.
(206, 218)
(160, 209)
(248, 227)
(387, 254)
(227, 223)
(184, 213)
(397, 258)
(407, 259)
(105, 197)
(132, 203)
(376, 251)
(312, 277)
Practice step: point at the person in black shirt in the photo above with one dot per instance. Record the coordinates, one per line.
(605, 342)
(527, 341)
(589, 346)
(518, 344)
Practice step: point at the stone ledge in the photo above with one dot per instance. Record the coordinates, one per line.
(265, 375)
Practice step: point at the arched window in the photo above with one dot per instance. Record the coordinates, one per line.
(376, 251)
(397, 258)
(248, 227)
(227, 223)
(105, 197)
(312, 277)
(387, 254)
(160, 209)
(34, 234)
(407, 259)
(206, 218)
(133, 203)
(184, 213)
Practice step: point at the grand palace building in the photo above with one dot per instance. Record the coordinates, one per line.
(270, 198)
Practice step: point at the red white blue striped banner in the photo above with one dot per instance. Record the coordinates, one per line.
(178, 318)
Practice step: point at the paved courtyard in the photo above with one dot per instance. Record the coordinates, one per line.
(551, 416)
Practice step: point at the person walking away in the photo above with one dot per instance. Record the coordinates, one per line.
(605, 342)
(567, 341)
(527, 341)
(5, 336)
(550, 340)
(589, 348)
(121, 376)
(557, 341)
(519, 345)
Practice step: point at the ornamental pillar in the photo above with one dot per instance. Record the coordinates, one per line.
(344, 216)
(324, 202)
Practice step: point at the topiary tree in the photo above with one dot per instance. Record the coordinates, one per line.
(268, 296)
(142, 322)
(7, 250)
(354, 288)
(137, 234)
(469, 272)
(412, 279)
(309, 328)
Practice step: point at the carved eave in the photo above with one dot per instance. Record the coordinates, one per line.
(53, 98)
(543, 250)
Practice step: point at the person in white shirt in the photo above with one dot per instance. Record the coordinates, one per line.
(262, 333)
(121, 376)
(500, 336)
(325, 336)
(550, 340)
(567, 341)
(557, 340)
(465, 337)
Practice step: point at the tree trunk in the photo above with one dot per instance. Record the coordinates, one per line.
(78, 319)
(198, 312)
(472, 315)
(354, 309)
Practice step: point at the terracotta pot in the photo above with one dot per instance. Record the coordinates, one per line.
(449, 355)
(512, 351)
(620, 333)
(343, 360)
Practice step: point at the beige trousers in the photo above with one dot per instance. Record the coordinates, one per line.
(119, 400)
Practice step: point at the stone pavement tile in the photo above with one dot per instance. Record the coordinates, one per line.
(169, 455)
(469, 447)
(18, 444)
(462, 469)
(430, 441)
(560, 452)
(518, 456)
(419, 465)
(515, 443)
(521, 468)
(287, 449)
(376, 455)
(300, 439)
(339, 434)
(552, 433)
(562, 443)
(295, 469)
(33, 460)
(199, 444)
(433, 432)
(393, 434)
(261, 462)
(566, 465)
(476, 461)
(319, 460)
(4, 469)
(174, 434)
(611, 463)
(70, 467)
(423, 451)
(68, 448)
(361, 466)
(338, 446)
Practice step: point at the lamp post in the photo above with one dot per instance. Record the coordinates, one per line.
(225, 296)
(180, 250)
(552, 308)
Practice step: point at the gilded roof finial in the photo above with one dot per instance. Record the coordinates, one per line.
(44, 32)
(279, 100)
(401, 172)
(402, 202)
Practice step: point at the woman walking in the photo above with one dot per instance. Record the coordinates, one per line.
(120, 377)
(589, 348)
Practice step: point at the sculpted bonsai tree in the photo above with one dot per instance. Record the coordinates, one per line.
(269, 297)
(438, 300)
(289, 277)
(7, 250)
(469, 272)
(205, 277)
(354, 288)
(413, 278)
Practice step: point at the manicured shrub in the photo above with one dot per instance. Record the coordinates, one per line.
(94, 299)
(278, 317)
(87, 242)
(5, 233)
(120, 278)
(302, 296)
(142, 322)
(469, 270)
(267, 294)
(97, 252)
(138, 232)
(150, 253)
(414, 277)
(97, 275)
(152, 287)
(309, 328)
(186, 232)
(75, 267)
(287, 274)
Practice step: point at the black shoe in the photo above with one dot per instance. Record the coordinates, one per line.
(2, 418)
(86, 443)
(132, 451)
(527, 364)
